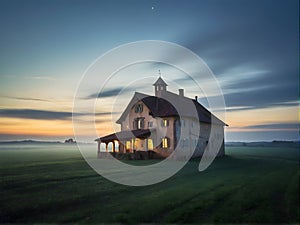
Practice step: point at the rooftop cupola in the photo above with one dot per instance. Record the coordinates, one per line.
(160, 87)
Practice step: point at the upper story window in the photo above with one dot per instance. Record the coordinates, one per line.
(165, 123)
(138, 108)
(139, 123)
(150, 124)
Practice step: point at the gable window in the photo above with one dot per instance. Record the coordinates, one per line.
(138, 108)
(165, 142)
(139, 123)
(165, 123)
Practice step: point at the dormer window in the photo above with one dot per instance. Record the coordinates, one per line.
(138, 108)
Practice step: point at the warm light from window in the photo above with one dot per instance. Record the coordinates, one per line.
(164, 123)
(164, 142)
(128, 143)
(136, 143)
(150, 144)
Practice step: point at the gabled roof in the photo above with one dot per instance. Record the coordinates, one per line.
(158, 107)
(183, 104)
(161, 107)
(136, 97)
(160, 81)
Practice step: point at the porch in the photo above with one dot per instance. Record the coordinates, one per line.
(126, 142)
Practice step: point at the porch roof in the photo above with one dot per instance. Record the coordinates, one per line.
(125, 135)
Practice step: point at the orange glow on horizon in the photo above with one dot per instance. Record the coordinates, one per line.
(18, 126)
(237, 120)
(242, 118)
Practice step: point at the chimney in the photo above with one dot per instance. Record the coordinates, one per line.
(181, 91)
(196, 98)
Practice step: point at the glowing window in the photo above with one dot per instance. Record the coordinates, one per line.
(165, 123)
(165, 142)
(136, 143)
(128, 143)
(150, 144)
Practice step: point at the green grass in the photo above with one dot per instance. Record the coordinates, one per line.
(53, 184)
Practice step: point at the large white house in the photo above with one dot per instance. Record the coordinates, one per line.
(154, 126)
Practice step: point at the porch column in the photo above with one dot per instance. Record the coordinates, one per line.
(113, 146)
(106, 147)
(99, 143)
(132, 145)
(121, 147)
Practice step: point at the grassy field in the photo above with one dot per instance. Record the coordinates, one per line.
(53, 184)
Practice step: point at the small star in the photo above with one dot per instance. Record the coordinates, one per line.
(152, 7)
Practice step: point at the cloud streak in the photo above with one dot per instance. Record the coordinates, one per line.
(49, 78)
(35, 114)
(255, 69)
(111, 92)
(107, 93)
(26, 98)
(44, 114)
(275, 126)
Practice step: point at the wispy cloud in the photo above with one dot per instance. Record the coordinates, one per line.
(49, 78)
(255, 69)
(45, 114)
(105, 113)
(26, 98)
(275, 126)
(104, 94)
(289, 103)
(98, 121)
(110, 92)
(35, 114)
(238, 108)
(260, 98)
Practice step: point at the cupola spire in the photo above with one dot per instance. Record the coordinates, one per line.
(160, 86)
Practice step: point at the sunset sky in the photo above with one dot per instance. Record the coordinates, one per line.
(46, 45)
